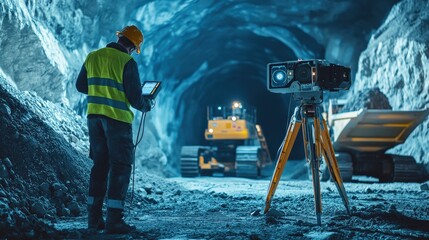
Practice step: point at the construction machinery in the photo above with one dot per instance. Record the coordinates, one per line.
(361, 139)
(237, 146)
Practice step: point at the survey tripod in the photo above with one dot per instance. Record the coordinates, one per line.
(317, 142)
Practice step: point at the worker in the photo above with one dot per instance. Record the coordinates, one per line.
(110, 78)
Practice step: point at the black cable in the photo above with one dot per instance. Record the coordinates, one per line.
(138, 140)
(142, 121)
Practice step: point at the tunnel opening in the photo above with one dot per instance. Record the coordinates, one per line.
(273, 112)
(213, 68)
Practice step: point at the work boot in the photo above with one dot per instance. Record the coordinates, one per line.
(95, 215)
(115, 223)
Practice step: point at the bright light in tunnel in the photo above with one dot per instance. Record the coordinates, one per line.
(219, 108)
(236, 105)
(234, 118)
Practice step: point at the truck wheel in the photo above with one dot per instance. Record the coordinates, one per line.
(402, 169)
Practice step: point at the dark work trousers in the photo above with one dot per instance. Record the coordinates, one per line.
(111, 149)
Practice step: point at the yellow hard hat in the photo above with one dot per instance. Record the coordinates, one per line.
(133, 34)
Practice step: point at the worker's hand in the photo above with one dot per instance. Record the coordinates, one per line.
(147, 105)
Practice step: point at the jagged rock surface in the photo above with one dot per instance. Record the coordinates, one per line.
(368, 98)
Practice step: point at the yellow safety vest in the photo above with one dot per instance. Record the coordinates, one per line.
(106, 96)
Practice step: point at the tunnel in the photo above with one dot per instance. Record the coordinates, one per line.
(204, 53)
(210, 53)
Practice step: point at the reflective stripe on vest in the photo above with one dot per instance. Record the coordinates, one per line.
(106, 96)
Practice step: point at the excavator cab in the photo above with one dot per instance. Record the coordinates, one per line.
(236, 145)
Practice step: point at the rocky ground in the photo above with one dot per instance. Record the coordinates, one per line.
(231, 208)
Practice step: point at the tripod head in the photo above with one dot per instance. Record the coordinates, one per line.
(308, 98)
(309, 104)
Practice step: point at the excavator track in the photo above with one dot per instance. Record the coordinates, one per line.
(405, 169)
(189, 161)
(345, 164)
(247, 160)
(324, 172)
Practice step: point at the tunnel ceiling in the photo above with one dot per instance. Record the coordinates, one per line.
(205, 52)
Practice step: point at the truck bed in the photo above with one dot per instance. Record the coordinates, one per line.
(372, 130)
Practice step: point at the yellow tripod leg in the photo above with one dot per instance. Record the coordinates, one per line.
(288, 142)
(331, 161)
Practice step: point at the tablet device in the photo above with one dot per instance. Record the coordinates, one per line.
(150, 89)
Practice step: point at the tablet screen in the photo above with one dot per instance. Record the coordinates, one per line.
(148, 87)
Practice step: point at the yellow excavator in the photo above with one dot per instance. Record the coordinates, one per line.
(237, 145)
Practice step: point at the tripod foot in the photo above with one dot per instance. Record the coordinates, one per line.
(348, 210)
(267, 207)
(319, 219)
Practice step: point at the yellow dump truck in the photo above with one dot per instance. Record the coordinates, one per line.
(237, 146)
(361, 139)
